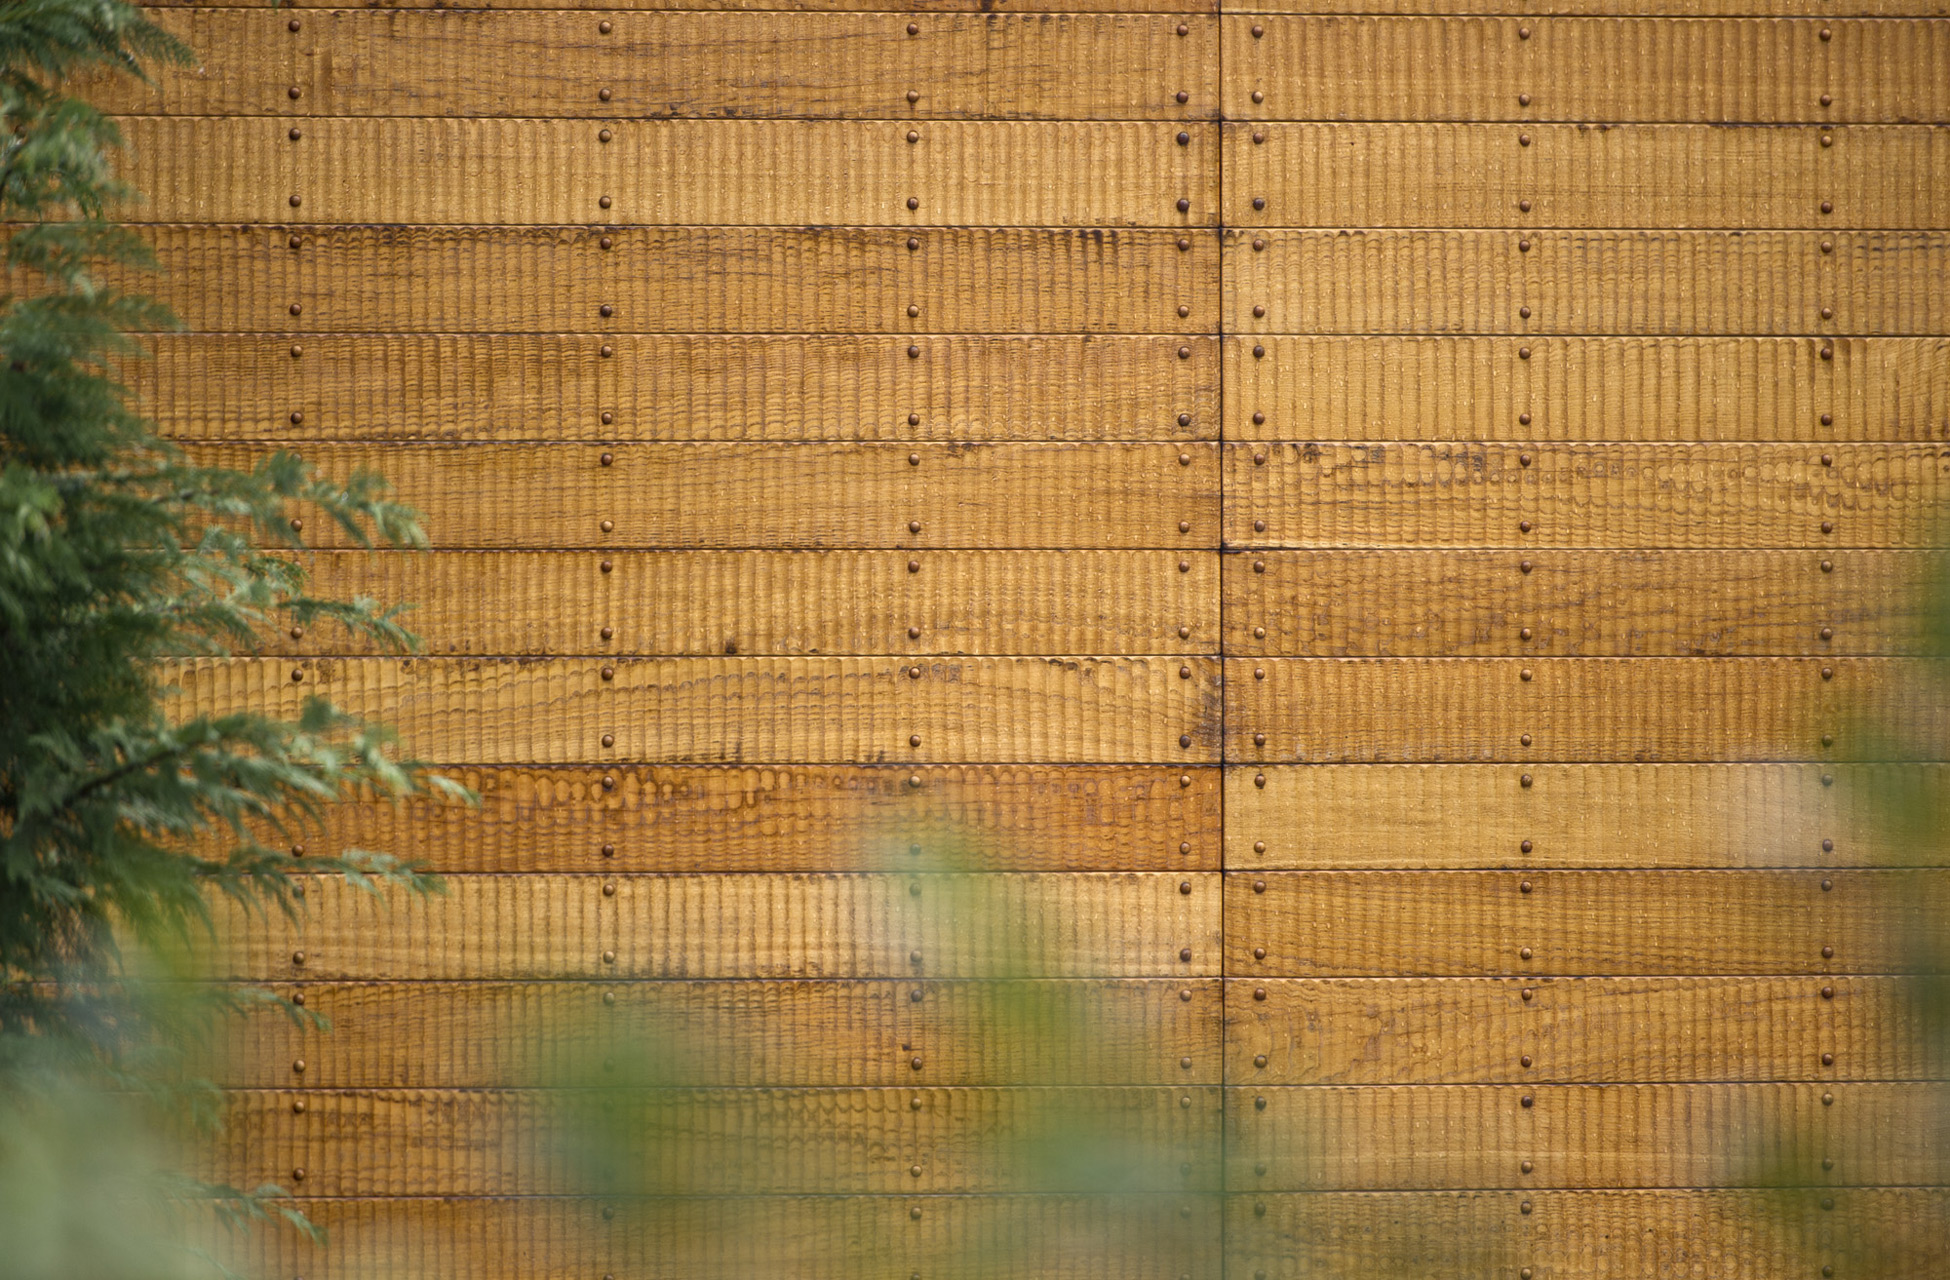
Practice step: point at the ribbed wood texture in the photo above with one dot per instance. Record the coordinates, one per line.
(684, 387)
(740, 710)
(798, 818)
(1580, 815)
(435, 62)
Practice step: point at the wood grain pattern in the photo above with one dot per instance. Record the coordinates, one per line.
(1393, 1031)
(1588, 389)
(669, 172)
(748, 710)
(1134, 1237)
(794, 818)
(1668, 283)
(824, 280)
(1591, 710)
(686, 387)
(1466, 603)
(778, 602)
(1581, 815)
(1607, 1235)
(1647, 1135)
(1614, 495)
(786, 495)
(1477, 924)
(555, 926)
(825, 1033)
(1614, 69)
(1617, 8)
(434, 62)
(1655, 176)
(712, 1142)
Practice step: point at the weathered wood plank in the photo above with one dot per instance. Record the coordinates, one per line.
(1718, 70)
(1393, 1031)
(1477, 924)
(434, 62)
(825, 1033)
(682, 387)
(777, 602)
(1467, 603)
(1606, 1235)
(621, 927)
(990, 496)
(797, 818)
(747, 710)
(1590, 710)
(669, 172)
(1562, 175)
(1589, 389)
(719, 1142)
(1610, 495)
(1582, 815)
(823, 280)
(1611, 8)
(1132, 1237)
(1676, 283)
(1649, 1135)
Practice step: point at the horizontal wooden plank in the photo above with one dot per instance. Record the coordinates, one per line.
(1604, 1235)
(1409, 603)
(1720, 70)
(1584, 815)
(1646, 1135)
(1474, 924)
(748, 710)
(1396, 1031)
(798, 818)
(721, 1141)
(1129, 1237)
(824, 280)
(669, 172)
(1695, 283)
(1587, 710)
(778, 602)
(1099, 495)
(1611, 8)
(1562, 175)
(825, 1033)
(1585, 495)
(1589, 389)
(622, 927)
(439, 62)
(684, 387)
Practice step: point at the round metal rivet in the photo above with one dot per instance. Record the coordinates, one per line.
(913, 135)
(1523, 459)
(912, 244)
(1259, 739)
(1523, 139)
(604, 242)
(1184, 30)
(604, 95)
(1524, 1060)
(1828, 993)
(298, 1106)
(602, 135)
(1259, 886)
(1183, 244)
(914, 202)
(1259, 1060)
(1528, 1101)
(1258, 245)
(1523, 246)
(1259, 846)
(1524, 418)
(1525, 739)
(1258, 31)
(1828, 206)
(1184, 526)
(1259, 139)
(603, 26)
(1826, 34)
(1184, 205)
(606, 311)
(1523, 33)
(1524, 207)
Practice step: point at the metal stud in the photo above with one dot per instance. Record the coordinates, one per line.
(1183, 311)
(1184, 30)
(1523, 139)
(296, 201)
(608, 459)
(1184, 459)
(292, 25)
(293, 93)
(913, 135)
(1258, 31)
(1259, 739)
(1183, 97)
(1259, 1059)
(1259, 246)
(1184, 739)
(292, 243)
(1184, 526)
(295, 133)
(603, 243)
(1259, 886)
(603, 135)
(913, 96)
(1259, 780)
(1525, 739)
(1259, 139)
(1523, 206)
(1184, 245)
(1524, 312)
(1184, 353)
(1826, 34)
(603, 26)
(609, 740)
(1524, 781)
(608, 417)
(914, 202)
(914, 633)
(1528, 1102)
(1258, 96)
(1523, 459)
(1828, 246)
(1828, 206)
(609, 673)
(1523, 99)
(603, 95)
(1523, 953)
(1523, 33)
(1184, 139)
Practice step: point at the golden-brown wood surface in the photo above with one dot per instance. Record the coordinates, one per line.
(1572, 495)
(1666, 283)
(1614, 69)
(817, 280)
(689, 387)
(1571, 175)
(1611, 1135)
(728, 1034)
(1460, 710)
(796, 817)
(711, 1141)
(1099, 494)
(1437, 1031)
(1595, 604)
(1581, 815)
(778, 602)
(1588, 389)
(764, 925)
(669, 172)
(1482, 923)
(1075, 710)
(435, 62)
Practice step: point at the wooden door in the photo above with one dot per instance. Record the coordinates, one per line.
(1315, 605)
